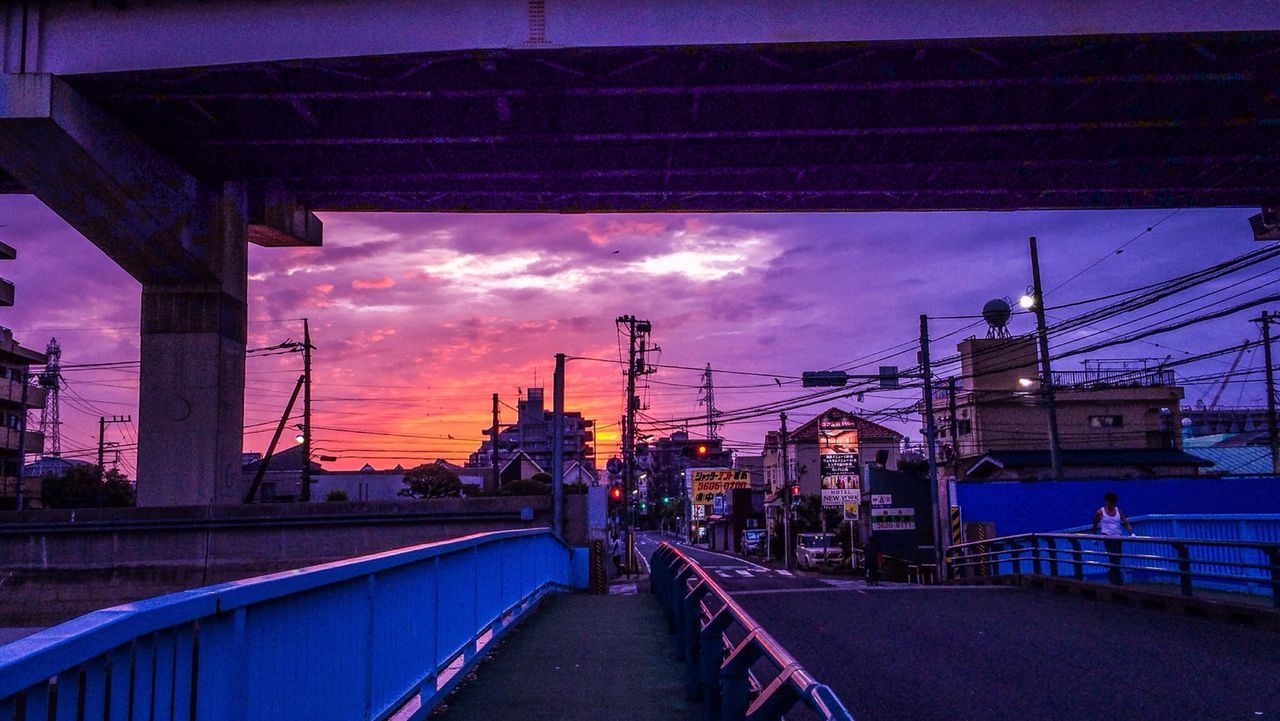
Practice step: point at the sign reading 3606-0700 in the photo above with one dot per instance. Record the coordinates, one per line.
(705, 485)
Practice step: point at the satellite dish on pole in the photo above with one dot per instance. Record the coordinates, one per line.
(997, 313)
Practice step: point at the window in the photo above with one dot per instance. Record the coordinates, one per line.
(964, 427)
(1106, 421)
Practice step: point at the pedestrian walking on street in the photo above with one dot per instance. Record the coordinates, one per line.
(616, 549)
(1111, 521)
(872, 558)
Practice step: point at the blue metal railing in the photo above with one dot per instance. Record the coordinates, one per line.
(725, 650)
(365, 638)
(1187, 564)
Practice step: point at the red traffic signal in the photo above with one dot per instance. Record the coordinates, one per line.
(702, 449)
(795, 491)
(616, 493)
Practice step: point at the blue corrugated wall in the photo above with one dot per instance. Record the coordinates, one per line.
(1042, 506)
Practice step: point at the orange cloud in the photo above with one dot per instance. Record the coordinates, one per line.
(373, 283)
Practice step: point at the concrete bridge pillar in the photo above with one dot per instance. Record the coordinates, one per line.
(184, 240)
(191, 393)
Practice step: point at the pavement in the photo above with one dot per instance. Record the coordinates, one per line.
(899, 651)
(580, 657)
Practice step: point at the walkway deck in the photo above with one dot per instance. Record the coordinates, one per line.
(580, 657)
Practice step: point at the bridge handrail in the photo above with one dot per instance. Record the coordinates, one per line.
(1046, 556)
(209, 653)
(718, 668)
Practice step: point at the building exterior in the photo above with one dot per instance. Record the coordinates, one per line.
(532, 435)
(996, 407)
(18, 439)
(870, 442)
(661, 465)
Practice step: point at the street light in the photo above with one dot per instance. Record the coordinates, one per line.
(1026, 382)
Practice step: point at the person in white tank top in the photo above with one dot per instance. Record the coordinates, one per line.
(1111, 521)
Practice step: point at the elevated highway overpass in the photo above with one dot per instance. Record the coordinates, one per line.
(173, 133)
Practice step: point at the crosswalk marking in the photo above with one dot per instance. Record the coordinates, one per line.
(744, 573)
(724, 574)
(784, 572)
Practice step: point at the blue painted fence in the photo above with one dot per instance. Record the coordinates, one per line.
(364, 638)
(1225, 567)
(1043, 506)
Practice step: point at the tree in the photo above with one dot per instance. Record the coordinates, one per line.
(87, 487)
(526, 487)
(336, 494)
(431, 481)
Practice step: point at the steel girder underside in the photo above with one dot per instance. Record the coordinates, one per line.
(998, 124)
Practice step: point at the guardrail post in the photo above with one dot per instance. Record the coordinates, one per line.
(1077, 559)
(1015, 555)
(1051, 544)
(1036, 568)
(692, 640)
(1184, 567)
(711, 653)
(735, 681)
(1273, 556)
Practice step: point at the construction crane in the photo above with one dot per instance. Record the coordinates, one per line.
(1226, 379)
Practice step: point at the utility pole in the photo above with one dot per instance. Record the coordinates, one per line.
(787, 500)
(275, 438)
(557, 447)
(20, 485)
(1046, 373)
(636, 366)
(629, 427)
(955, 433)
(305, 492)
(930, 441)
(102, 432)
(493, 446)
(1273, 439)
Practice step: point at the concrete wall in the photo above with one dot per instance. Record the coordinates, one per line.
(1027, 506)
(55, 565)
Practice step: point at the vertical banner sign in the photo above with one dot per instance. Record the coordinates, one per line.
(838, 465)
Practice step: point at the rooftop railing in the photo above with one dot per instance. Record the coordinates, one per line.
(1103, 378)
(732, 664)
(367, 638)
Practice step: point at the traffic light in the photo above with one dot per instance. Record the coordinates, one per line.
(615, 493)
(702, 450)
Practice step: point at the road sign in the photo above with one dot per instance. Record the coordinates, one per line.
(717, 505)
(851, 511)
(893, 519)
(881, 499)
(818, 379)
(613, 466)
(837, 497)
(889, 377)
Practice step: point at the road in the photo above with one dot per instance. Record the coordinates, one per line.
(910, 652)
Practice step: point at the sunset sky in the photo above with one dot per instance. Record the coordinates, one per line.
(418, 318)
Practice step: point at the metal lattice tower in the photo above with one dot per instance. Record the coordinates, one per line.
(707, 397)
(51, 381)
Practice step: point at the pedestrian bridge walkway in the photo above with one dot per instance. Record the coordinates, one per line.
(581, 657)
